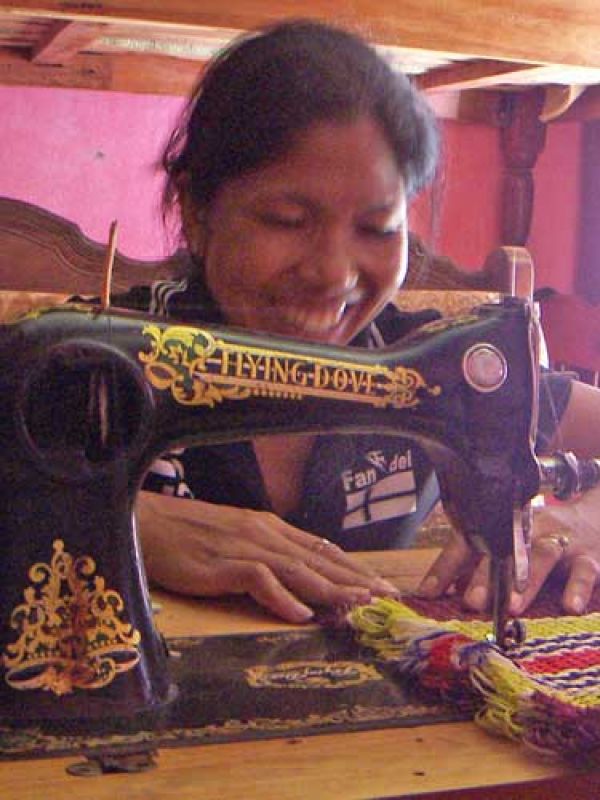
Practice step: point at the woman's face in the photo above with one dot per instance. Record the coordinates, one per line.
(313, 245)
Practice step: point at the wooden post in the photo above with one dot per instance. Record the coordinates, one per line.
(523, 138)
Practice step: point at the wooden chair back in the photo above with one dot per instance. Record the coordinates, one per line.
(44, 252)
(44, 257)
(434, 281)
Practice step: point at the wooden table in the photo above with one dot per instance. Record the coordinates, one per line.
(452, 760)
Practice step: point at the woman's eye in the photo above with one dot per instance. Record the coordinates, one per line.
(379, 232)
(282, 221)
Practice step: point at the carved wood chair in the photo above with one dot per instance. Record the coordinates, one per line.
(45, 259)
(434, 281)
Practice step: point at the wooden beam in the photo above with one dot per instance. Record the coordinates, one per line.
(120, 73)
(64, 40)
(471, 75)
(162, 75)
(147, 74)
(564, 32)
(84, 72)
(558, 100)
(484, 107)
(479, 106)
(586, 108)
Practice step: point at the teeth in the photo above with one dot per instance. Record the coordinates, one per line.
(355, 296)
(311, 320)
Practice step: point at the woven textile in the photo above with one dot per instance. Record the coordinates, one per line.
(544, 692)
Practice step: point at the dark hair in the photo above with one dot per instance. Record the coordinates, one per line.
(268, 86)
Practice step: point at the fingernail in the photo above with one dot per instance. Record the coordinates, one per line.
(304, 612)
(577, 605)
(477, 597)
(429, 587)
(381, 585)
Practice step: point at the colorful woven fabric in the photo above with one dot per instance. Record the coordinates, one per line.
(544, 692)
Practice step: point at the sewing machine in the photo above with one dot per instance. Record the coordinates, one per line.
(89, 398)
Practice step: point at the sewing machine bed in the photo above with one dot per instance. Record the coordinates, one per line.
(257, 686)
(280, 684)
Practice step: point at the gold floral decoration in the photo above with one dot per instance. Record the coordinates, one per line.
(70, 631)
(311, 675)
(178, 361)
(200, 370)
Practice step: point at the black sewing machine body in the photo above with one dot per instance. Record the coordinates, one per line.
(89, 399)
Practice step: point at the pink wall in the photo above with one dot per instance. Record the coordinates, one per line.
(460, 216)
(468, 201)
(92, 156)
(555, 226)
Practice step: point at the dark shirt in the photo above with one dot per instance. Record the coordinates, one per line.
(362, 491)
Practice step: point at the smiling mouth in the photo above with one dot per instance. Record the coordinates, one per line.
(318, 320)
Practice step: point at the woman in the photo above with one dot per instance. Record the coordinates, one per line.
(292, 171)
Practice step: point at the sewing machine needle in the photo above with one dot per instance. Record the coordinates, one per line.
(501, 582)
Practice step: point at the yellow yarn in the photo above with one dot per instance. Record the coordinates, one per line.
(387, 625)
(506, 688)
(503, 687)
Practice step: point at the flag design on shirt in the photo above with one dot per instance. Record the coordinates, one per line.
(384, 489)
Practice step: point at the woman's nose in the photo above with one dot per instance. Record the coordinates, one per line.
(332, 262)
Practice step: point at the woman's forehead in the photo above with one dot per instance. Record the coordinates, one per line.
(329, 158)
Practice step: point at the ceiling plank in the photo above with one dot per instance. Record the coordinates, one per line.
(162, 75)
(84, 72)
(148, 74)
(142, 74)
(564, 32)
(471, 75)
(482, 74)
(64, 40)
(481, 106)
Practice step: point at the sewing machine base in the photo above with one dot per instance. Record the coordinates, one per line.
(90, 716)
(262, 685)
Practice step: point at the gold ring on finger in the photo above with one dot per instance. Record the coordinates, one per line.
(320, 545)
(561, 540)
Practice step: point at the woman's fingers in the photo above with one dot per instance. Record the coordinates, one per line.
(340, 569)
(289, 588)
(546, 554)
(311, 546)
(278, 545)
(566, 536)
(447, 568)
(321, 586)
(236, 576)
(223, 550)
(477, 594)
(583, 576)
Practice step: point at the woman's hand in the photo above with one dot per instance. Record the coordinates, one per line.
(198, 548)
(565, 537)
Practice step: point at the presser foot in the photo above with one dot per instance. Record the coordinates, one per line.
(506, 632)
(514, 633)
